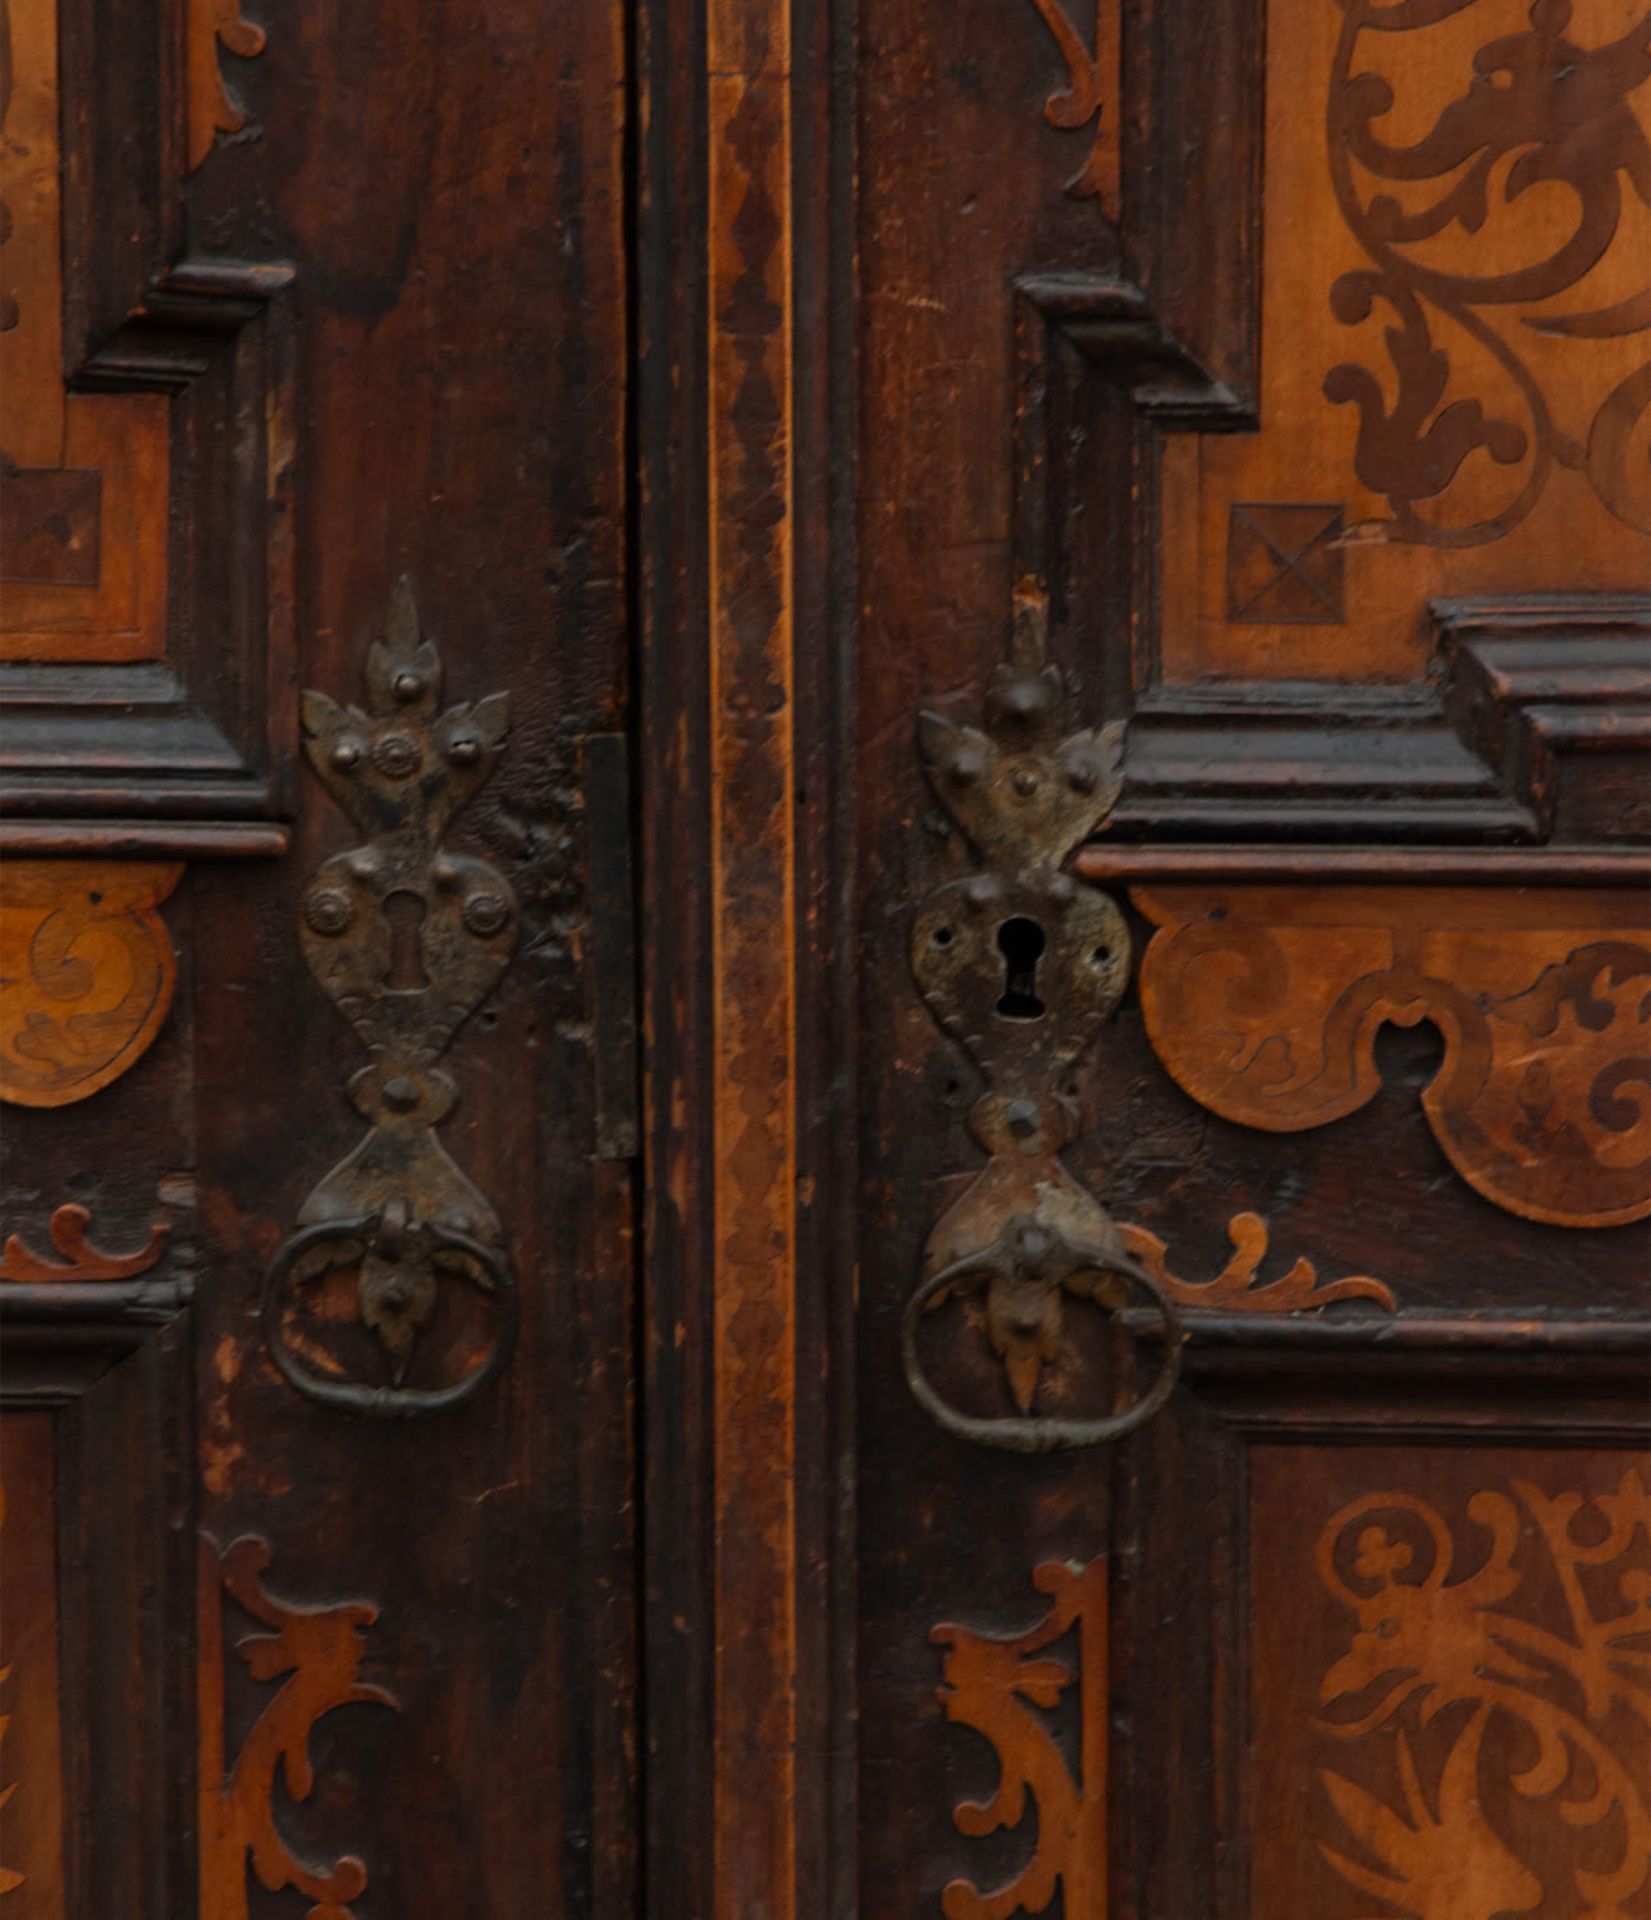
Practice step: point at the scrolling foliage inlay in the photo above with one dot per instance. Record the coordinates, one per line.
(1564, 1713)
(1090, 98)
(1235, 1289)
(1264, 1004)
(1003, 1688)
(86, 974)
(316, 1653)
(213, 109)
(1542, 124)
(79, 1259)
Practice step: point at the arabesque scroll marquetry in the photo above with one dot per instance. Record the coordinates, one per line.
(1264, 1004)
(315, 1653)
(1004, 1686)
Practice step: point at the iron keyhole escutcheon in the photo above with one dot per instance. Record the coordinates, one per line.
(1021, 941)
(404, 913)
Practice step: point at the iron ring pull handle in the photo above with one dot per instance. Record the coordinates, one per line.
(1041, 1434)
(389, 1402)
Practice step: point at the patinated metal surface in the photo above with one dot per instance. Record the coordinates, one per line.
(1021, 965)
(407, 939)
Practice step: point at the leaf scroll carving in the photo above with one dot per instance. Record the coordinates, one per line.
(1002, 1687)
(1564, 1712)
(315, 1653)
(213, 109)
(1238, 1287)
(1090, 98)
(78, 1258)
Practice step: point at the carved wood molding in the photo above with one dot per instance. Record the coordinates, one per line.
(315, 1653)
(146, 697)
(216, 27)
(1478, 746)
(78, 1259)
(1264, 1004)
(1237, 1287)
(1003, 1686)
(1530, 726)
(1090, 98)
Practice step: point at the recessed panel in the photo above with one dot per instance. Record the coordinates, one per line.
(31, 1765)
(1450, 1684)
(1456, 337)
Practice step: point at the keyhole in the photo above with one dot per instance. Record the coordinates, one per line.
(405, 912)
(1021, 943)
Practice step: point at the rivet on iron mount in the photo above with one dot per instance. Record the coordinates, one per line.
(329, 911)
(395, 1294)
(1063, 889)
(1024, 698)
(980, 890)
(397, 755)
(485, 913)
(968, 764)
(364, 867)
(401, 1095)
(1083, 775)
(464, 751)
(1022, 1118)
(1025, 781)
(445, 873)
(346, 755)
(407, 686)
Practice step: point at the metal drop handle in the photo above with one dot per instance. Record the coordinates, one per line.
(1029, 1251)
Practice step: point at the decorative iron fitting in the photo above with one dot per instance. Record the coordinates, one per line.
(407, 939)
(1021, 964)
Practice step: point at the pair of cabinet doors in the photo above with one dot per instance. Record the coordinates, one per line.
(825, 999)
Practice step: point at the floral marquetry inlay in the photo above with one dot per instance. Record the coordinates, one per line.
(1264, 1004)
(1513, 337)
(1455, 335)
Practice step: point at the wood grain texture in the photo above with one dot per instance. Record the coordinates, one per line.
(452, 206)
(1265, 1005)
(753, 949)
(31, 1761)
(1048, 403)
(87, 972)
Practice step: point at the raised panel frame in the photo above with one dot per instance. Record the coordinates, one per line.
(1181, 1546)
(193, 753)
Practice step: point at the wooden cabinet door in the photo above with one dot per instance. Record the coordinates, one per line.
(1158, 1102)
(824, 977)
(316, 1032)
